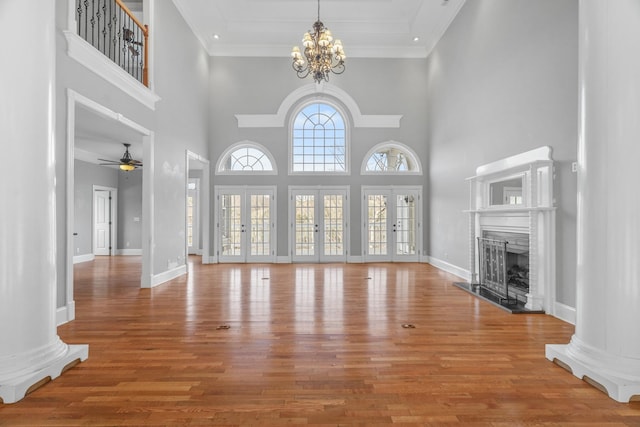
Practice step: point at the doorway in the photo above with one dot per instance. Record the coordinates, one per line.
(318, 217)
(105, 224)
(391, 229)
(246, 223)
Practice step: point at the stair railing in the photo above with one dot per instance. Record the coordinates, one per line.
(111, 27)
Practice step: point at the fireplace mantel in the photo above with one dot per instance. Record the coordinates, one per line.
(515, 194)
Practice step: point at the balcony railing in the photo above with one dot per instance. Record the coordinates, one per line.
(111, 27)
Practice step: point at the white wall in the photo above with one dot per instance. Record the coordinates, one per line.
(86, 176)
(130, 209)
(179, 122)
(181, 79)
(503, 80)
(259, 85)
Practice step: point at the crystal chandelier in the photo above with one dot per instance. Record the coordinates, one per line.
(322, 53)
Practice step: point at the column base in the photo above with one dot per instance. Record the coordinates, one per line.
(15, 389)
(594, 370)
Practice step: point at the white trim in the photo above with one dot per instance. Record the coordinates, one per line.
(394, 144)
(564, 312)
(74, 99)
(65, 314)
(283, 259)
(77, 259)
(166, 276)
(522, 160)
(318, 91)
(449, 268)
(246, 144)
(96, 61)
(355, 259)
(129, 252)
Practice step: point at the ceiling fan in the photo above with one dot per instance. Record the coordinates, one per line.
(126, 163)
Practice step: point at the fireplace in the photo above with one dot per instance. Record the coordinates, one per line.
(503, 260)
(512, 231)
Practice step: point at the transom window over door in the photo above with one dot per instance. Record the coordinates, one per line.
(319, 140)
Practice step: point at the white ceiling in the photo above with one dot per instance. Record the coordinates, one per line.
(367, 28)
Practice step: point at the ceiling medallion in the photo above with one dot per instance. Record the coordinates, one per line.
(322, 54)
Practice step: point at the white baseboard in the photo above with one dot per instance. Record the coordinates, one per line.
(355, 259)
(66, 314)
(129, 252)
(164, 277)
(283, 260)
(565, 312)
(449, 268)
(83, 258)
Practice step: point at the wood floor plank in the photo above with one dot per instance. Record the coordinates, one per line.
(320, 345)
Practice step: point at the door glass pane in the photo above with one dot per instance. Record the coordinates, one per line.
(405, 224)
(333, 224)
(260, 224)
(230, 224)
(305, 224)
(377, 224)
(190, 221)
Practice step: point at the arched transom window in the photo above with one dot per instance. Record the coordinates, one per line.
(246, 157)
(391, 158)
(319, 140)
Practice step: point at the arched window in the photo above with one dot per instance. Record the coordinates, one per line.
(319, 140)
(391, 158)
(246, 158)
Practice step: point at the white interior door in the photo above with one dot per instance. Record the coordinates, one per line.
(103, 221)
(391, 229)
(319, 224)
(246, 224)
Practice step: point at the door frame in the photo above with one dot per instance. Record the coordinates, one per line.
(195, 247)
(205, 206)
(392, 190)
(66, 312)
(244, 191)
(113, 213)
(346, 215)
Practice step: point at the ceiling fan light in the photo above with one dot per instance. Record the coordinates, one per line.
(127, 167)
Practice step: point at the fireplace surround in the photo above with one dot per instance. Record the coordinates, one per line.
(511, 200)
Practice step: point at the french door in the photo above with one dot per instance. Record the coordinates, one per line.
(246, 224)
(391, 229)
(318, 217)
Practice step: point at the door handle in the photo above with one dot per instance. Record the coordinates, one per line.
(242, 228)
(316, 228)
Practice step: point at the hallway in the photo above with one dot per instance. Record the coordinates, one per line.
(322, 344)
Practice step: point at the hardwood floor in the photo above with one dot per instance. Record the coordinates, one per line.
(307, 344)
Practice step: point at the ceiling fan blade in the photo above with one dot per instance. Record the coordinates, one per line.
(109, 162)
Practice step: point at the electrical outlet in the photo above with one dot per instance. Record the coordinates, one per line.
(574, 167)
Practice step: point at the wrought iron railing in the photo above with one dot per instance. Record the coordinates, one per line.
(111, 27)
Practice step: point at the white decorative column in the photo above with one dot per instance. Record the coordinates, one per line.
(606, 345)
(30, 350)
